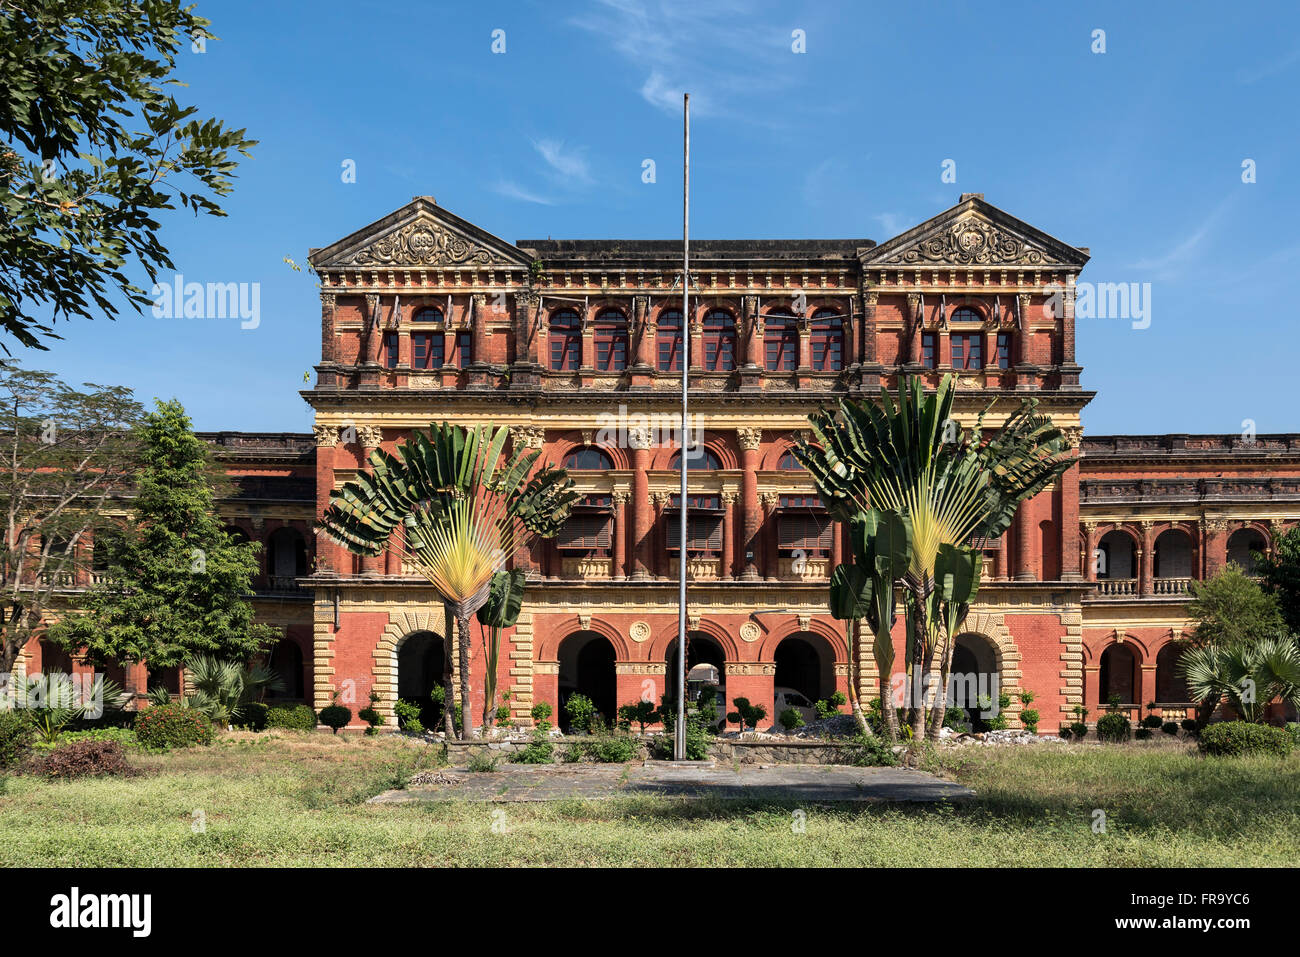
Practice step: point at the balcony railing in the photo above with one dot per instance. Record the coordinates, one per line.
(1170, 586)
(1117, 587)
(698, 568)
(582, 569)
(804, 569)
(282, 584)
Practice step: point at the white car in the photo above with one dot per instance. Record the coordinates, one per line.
(789, 698)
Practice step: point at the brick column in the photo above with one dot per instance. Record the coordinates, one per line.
(619, 498)
(1215, 546)
(771, 564)
(478, 317)
(327, 378)
(695, 329)
(1090, 551)
(645, 331)
(642, 511)
(1003, 559)
(1069, 491)
(329, 553)
(374, 329)
(867, 340)
(1148, 559)
(369, 437)
(749, 440)
(914, 324)
(1024, 524)
(588, 344)
(754, 333)
(729, 533)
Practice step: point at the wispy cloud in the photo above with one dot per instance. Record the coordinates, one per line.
(512, 190)
(893, 223)
(568, 163)
(721, 52)
(1171, 264)
(1271, 68)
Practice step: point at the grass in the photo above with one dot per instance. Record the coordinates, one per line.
(299, 799)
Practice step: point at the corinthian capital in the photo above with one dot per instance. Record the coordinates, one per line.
(749, 438)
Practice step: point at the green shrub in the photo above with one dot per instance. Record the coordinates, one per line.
(1114, 727)
(254, 716)
(830, 707)
(81, 759)
(1170, 727)
(640, 712)
(581, 711)
(123, 736)
(539, 750)
(298, 718)
(869, 751)
(572, 754)
(790, 719)
(1152, 721)
(1030, 720)
(164, 726)
(1294, 730)
(15, 738)
(1234, 738)
(335, 716)
(1079, 730)
(482, 761)
(746, 714)
(1188, 725)
(1143, 733)
(541, 714)
(1063, 733)
(615, 750)
(956, 719)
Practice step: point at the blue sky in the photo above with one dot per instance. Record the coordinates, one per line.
(1136, 153)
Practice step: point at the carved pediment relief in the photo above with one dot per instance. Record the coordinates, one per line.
(420, 234)
(971, 242)
(975, 233)
(422, 243)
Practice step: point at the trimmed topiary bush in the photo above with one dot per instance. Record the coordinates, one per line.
(1152, 721)
(1113, 727)
(335, 716)
(1188, 725)
(165, 726)
(1143, 734)
(298, 718)
(1236, 738)
(790, 719)
(15, 738)
(81, 759)
(1063, 733)
(1029, 719)
(1079, 730)
(1170, 727)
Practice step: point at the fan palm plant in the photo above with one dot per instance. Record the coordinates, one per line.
(950, 484)
(1248, 674)
(463, 509)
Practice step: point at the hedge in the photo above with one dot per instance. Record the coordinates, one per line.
(1234, 738)
(164, 726)
(298, 718)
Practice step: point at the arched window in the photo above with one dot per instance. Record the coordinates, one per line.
(427, 314)
(668, 341)
(965, 314)
(1242, 546)
(780, 342)
(719, 341)
(827, 341)
(698, 459)
(588, 457)
(566, 341)
(787, 462)
(610, 340)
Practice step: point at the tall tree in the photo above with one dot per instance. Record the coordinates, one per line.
(1229, 608)
(1280, 575)
(92, 146)
(463, 507)
(69, 457)
(178, 585)
(948, 484)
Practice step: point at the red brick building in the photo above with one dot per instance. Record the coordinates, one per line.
(575, 345)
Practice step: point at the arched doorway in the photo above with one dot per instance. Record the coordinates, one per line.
(1171, 686)
(286, 557)
(1173, 555)
(1242, 545)
(587, 668)
(700, 650)
(1118, 676)
(286, 660)
(806, 664)
(974, 675)
(420, 669)
(1117, 559)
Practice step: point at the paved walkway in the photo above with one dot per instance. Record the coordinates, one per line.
(526, 782)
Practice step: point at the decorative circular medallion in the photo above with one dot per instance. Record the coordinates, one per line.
(639, 631)
(749, 632)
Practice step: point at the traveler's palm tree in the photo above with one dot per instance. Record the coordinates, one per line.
(948, 483)
(456, 509)
(1249, 674)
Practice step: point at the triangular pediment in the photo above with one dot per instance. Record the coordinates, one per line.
(975, 234)
(420, 234)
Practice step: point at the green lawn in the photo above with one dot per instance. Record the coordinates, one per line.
(299, 800)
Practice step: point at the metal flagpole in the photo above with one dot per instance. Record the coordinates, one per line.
(679, 737)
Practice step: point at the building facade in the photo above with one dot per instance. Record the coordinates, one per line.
(576, 346)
